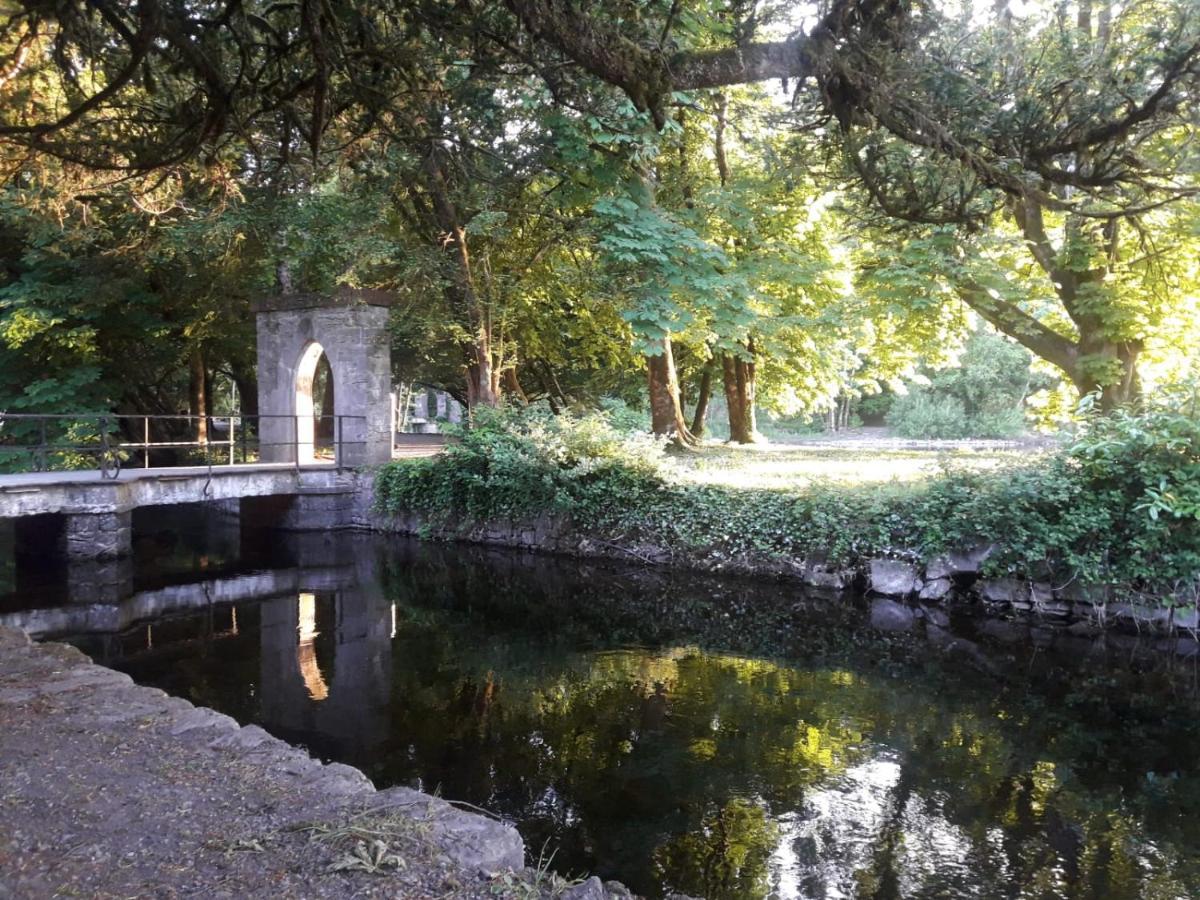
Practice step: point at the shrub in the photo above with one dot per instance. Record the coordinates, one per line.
(623, 417)
(874, 407)
(1000, 424)
(924, 415)
(524, 461)
(983, 397)
(1120, 506)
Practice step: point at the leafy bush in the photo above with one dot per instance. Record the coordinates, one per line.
(525, 461)
(997, 423)
(924, 415)
(983, 397)
(1120, 506)
(874, 407)
(623, 417)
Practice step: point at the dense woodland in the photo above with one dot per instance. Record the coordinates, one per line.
(788, 206)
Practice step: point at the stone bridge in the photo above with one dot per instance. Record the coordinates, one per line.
(291, 486)
(95, 514)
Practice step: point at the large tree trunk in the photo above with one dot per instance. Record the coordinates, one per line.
(700, 415)
(512, 385)
(737, 373)
(247, 388)
(1093, 361)
(666, 412)
(483, 381)
(197, 397)
(739, 380)
(1120, 385)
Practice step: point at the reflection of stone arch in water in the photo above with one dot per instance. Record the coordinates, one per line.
(306, 647)
(325, 665)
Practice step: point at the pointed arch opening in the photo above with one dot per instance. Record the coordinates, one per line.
(314, 404)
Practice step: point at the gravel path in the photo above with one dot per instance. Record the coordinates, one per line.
(108, 789)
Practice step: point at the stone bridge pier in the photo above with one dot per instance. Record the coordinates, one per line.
(101, 535)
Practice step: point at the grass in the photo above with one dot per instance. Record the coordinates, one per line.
(391, 840)
(787, 467)
(373, 841)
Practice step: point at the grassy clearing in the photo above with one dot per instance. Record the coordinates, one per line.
(790, 467)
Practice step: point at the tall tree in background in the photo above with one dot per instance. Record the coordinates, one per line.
(1072, 123)
(1036, 166)
(1047, 162)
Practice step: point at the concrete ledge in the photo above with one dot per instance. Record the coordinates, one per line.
(76, 494)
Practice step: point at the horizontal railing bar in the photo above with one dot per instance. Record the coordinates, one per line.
(175, 416)
(49, 441)
(92, 448)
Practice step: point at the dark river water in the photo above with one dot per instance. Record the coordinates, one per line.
(716, 738)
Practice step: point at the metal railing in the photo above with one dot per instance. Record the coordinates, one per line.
(38, 442)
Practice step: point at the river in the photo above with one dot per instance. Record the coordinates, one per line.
(719, 738)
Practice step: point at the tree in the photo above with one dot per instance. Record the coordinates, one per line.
(1068, 124)
(486, 160)
(1074, 254)
(109, 302)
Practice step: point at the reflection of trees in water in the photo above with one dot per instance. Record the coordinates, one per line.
(727, 776)
(860, 768)
(726, 856)
(645, 751)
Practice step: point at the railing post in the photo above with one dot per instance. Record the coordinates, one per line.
(145, 442)
(231, 438)
(296, 442)
(244, 457)
(41, 451)
(104, 445)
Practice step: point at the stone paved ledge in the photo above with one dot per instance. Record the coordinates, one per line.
(110, 789)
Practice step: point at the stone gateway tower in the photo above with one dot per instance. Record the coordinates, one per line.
(349, 329)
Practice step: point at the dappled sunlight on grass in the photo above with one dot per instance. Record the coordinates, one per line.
(792, 467)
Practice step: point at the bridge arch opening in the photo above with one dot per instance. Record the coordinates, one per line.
(314, 403)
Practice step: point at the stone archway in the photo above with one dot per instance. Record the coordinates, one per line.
(347, 328)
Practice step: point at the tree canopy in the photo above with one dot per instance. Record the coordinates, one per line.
(577, 200)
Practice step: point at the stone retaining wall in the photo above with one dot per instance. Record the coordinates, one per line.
(948, 579)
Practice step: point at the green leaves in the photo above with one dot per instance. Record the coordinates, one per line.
(673, 276)
(1121, 506)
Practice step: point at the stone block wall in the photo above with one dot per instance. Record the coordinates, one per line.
(356, 343)
(97, 535)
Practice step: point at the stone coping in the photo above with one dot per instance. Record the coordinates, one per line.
(342, 297)
(115, 789)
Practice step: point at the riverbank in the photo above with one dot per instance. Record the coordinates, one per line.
(911, 585)
(1104, 531)
(116, 790)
